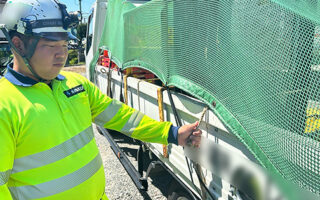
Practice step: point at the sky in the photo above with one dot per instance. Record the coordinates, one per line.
(73, 5)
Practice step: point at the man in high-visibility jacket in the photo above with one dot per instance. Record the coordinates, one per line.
(48, 150)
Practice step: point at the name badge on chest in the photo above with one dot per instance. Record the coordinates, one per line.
(73, 91)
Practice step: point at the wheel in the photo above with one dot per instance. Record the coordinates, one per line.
(177, 192)
(179, 195)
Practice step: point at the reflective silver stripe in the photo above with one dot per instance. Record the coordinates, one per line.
(4, 177)
(54, 154)
(108, 113)
(132, 123)
(58, 185)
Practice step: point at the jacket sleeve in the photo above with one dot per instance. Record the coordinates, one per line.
(113, 114)
(7, 144)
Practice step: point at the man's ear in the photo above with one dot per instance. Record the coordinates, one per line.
(18, 43)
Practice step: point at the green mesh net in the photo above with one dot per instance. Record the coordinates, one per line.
(258, 60)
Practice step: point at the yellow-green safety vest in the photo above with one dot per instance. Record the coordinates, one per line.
(48, 150)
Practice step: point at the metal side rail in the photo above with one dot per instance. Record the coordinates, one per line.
(141, 184)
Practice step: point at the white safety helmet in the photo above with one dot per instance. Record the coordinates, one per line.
(39, 19)
(43, 18)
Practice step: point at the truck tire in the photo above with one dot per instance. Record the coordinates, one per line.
(178, 195)
(176, 192)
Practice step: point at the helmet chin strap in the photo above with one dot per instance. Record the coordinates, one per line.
(26, 61)
(30, 51)
(29, 54)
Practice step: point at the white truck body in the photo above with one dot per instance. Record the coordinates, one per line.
(142, 96)
(190, 110)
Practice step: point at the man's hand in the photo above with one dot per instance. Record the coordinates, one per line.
(189, 132)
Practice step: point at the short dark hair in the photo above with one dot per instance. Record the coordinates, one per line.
(24, 38)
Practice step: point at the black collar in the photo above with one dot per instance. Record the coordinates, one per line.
(17, 78)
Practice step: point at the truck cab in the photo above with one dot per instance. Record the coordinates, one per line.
(5, 53)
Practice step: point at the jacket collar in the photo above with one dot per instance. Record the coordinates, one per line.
(19, 79)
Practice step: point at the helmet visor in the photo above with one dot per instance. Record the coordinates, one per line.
(56, 36)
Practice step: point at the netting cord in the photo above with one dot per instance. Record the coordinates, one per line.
(108, 74)
(174, 110)
(196, 166)
(179, 123)
(109, 80)
(121, 85)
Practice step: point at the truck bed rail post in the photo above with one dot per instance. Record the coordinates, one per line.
(161, 117)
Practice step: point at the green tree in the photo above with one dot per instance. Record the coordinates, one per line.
(81, 32)
(77, 47)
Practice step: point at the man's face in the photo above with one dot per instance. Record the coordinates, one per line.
(49, 58)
